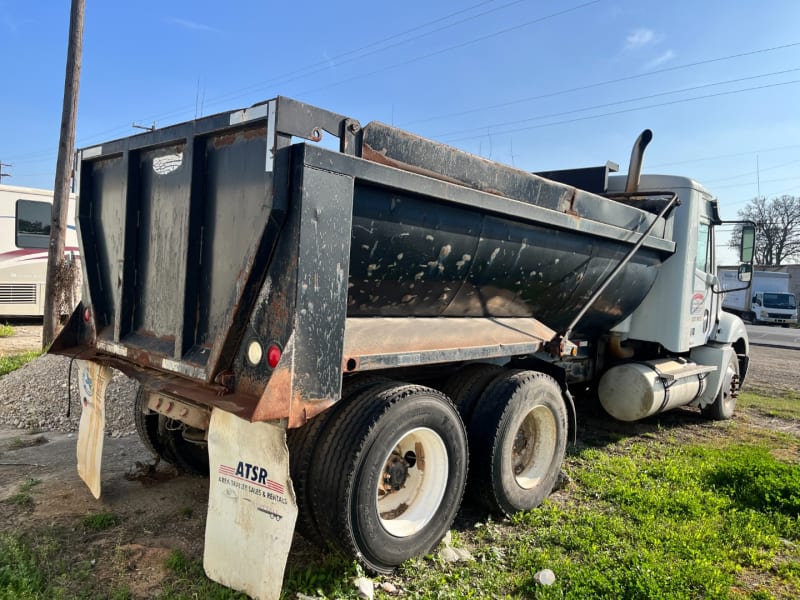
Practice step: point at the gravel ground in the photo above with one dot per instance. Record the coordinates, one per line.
(35, 396)
(773, 370)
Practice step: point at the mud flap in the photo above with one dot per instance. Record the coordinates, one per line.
(93, 379)
(251, 506)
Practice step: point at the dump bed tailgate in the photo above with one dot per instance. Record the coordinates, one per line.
(174, 226)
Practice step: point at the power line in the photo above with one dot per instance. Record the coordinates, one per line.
(633, 109)
(367, 74)
(749, 173)
(730, 185)
(292, 74)
(324, 65)
(617, 103)
(289, 77)
(601, 83)
(720, 156)
(455, 46)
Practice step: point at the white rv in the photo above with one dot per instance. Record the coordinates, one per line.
(25, 215)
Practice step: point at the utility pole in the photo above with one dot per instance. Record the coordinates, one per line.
(758, 177)
(2, 164)
(55, 257)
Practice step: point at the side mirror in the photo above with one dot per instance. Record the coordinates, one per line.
(745, 273)
(748, 246)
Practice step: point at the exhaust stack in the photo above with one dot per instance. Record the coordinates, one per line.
(635, 167)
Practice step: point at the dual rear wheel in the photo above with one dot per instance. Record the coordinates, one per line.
(380, 475)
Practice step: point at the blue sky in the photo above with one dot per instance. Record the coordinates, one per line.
(491, 77)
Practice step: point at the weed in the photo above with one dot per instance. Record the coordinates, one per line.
(753, 478)
(785, 406)
(329, 579)
(20, 576)
(186, 512)
(23, 496)
(15, 361)
(6, 330)
(188, 580)
(19, 443)
(100, 521)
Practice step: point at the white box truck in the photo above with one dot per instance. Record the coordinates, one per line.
(767, 301)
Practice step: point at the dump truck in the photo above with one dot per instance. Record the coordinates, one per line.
(335, 335)
(767, 301)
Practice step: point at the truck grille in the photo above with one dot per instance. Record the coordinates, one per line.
(777, 315)
(11, 293)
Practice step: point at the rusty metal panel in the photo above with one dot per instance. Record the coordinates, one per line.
(380, 343)
(397, 148)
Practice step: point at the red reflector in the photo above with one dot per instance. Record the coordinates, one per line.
(273, 356)
(87, 314)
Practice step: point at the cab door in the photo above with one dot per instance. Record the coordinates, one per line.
(704, 302)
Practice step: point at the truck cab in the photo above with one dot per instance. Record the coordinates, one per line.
(778, 308)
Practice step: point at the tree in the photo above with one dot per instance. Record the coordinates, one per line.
(777, 229)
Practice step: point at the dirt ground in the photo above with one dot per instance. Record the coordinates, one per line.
(27, 336)
(158, 510)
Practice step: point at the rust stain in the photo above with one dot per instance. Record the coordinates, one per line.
(254, 132)
(380, 157)
(276, 401)
(281, 400)
(570, 210)
(224, 140)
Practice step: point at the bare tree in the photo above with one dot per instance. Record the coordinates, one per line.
(777, 229)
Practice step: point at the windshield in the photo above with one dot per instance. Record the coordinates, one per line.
(779, 301)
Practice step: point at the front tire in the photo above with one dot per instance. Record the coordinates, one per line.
(518, 438)
(392, 470)
(725, 403)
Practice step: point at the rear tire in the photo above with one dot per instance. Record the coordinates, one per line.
(303, 443)
(725, 403)
(518, 438)
(390, 475)
(467, 384)
(164, 438)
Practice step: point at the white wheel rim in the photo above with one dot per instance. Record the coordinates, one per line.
(729, 383)
(405, 511)
(533, 447)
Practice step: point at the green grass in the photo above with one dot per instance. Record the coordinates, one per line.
(19, 443)
(6, 330)
(23, 496)
(37, 567)
(659, 521)
(785, 406)
(646, 516)
(100, 521)
(187, 580)
(15, 361)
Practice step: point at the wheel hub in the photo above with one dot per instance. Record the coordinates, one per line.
(395, 474)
